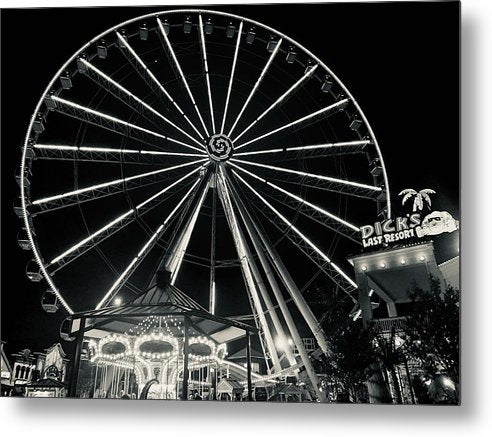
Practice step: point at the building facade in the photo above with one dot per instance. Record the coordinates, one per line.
(38, 374)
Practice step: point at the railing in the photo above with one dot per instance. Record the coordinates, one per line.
(389, 324)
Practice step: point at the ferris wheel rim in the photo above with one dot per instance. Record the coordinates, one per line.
(199, 11)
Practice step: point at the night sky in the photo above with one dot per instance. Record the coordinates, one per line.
(400, 61)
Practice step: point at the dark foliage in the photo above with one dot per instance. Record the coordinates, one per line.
(432, 337)
(432, 331)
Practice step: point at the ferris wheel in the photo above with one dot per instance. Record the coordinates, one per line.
(196, 125)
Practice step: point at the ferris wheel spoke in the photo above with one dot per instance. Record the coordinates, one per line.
(115, 225)
(339, 278)
(256, 85)
(328, 183)
(104, 189)
(170, 50)
(313, 252)
(310, 151)
(277, 103)
(113, 124)
(205, 68)
(107, 154)
(301, 122)
(150, 79)
(129, 99)
(231, 77)
(308, 209)
(144, 251)
(176, 257)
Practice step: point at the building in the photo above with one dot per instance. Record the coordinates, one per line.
(390, 275)
(309, 344)
(23, 367)
(385, 281)
(6, 370)
(38, 374)
(451, 272)
(50, 374)
(257, 360)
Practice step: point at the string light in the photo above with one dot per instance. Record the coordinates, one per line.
(165, 329)
(155, 337)
(112, 338)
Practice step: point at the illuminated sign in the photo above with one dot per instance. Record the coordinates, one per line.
(415, 225)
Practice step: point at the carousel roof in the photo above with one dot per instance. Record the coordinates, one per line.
(161, 299)
(168, 294)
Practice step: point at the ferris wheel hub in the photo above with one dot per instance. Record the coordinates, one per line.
(220, 147)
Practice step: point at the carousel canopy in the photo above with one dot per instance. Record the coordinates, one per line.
(162, 299)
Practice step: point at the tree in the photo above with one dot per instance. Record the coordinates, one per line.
(431, 337)
(419, 198)
(390, 356)
(352, 348)
(353, 353)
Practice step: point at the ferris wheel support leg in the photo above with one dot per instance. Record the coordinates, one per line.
(271, 310)
(273, 284)
(212, 291)
(253, 232)
(295, 293)
(248, 365)
(299, 300)
(244, 255)
(264, 292)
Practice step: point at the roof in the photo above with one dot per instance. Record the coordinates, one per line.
(48, 383)
(60, 348)
(161, 300)
(48, 350)
(396, 248)
(241, 353)
(229, 383)
(169, 294)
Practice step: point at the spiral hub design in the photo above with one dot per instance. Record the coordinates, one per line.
(219, 147)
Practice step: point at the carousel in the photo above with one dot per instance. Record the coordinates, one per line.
(148, 362)
(161, 345)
